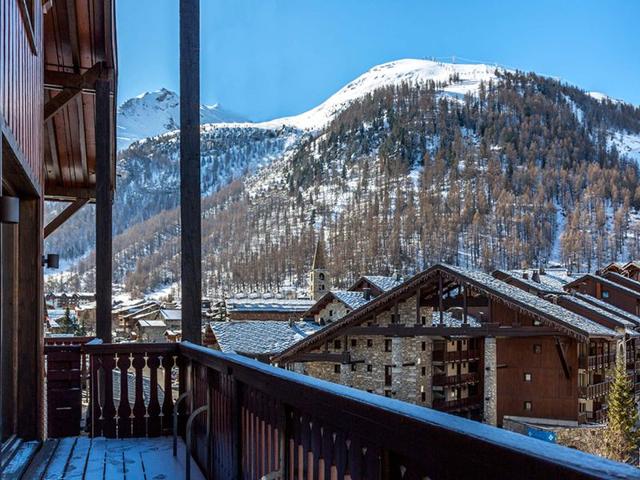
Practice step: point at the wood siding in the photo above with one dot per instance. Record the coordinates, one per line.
(551, 393)
(21, 78)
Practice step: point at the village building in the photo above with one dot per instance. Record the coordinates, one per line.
(463, 342)
(150, 331)
(609, 290)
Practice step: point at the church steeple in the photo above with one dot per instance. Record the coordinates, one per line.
(319, 279)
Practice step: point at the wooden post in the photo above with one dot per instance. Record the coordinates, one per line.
(418, 295)
(190, 216)
(464, 304)
(30, 410)
(103, 212)
(440, 299)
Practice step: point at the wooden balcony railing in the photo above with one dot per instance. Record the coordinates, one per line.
(599, 361)
(442, 379)
(263, 421)
(456, 356)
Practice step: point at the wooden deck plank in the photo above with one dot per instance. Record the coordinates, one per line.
(78, 460)
(74, 458)
(95, 461)
(20, 460)
(114, 461)
(61, 456)
(41, 461)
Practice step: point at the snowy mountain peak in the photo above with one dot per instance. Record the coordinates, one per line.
(460, 79)
(153, 113)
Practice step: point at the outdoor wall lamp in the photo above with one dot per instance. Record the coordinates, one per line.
(9, 209)
(52, 260)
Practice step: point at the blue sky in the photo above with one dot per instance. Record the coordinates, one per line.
(270, 58)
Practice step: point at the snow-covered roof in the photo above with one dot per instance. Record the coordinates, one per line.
(531, 284)
(608, 307)
(449, 321)
(152, 323)
(608, 283)
(268, 305)
(260, 337)
(552, 278)
(352, 300)
(594, 308)
(555, 312)
(382, 282)
(171, 314)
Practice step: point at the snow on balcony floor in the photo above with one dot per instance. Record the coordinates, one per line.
(101, 458)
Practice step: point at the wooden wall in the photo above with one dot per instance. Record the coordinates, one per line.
(620, 299)
(552, 395)
(21, 80)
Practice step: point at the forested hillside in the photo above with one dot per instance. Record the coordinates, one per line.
(523, 171)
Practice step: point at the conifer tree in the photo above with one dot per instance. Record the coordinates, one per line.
(621, 436)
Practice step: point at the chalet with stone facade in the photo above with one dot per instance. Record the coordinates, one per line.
(463, 342)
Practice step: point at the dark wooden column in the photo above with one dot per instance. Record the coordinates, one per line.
(104, 183)
(190, 216)
(30, 319)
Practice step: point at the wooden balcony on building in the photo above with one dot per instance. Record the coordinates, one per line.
(442, 379)
(249, 420)
(456, 356)
(598, 362)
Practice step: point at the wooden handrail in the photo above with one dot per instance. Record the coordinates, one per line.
(267, 421)
(316, 418)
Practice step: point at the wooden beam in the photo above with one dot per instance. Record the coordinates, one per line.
(563, 359)
(465, 309)
(30, 320)
(104, 231)
(190, 208)
(443, 331)
(63, 194)
(343, 357)
(440, 299)
(65, 215)
(85, 80)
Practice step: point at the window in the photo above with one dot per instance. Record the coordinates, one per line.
(369, 368)
(353, 367)
(394, 318)
(605, 294)
(369, 342)
(423, 319)
(387, 375)
(537, 348)
(336, 368)
(423, 371)
(337, 344)
(528, 406)
(321, 276)
(527, 377)
(354, 342)
(424, 346)
(423, 396)
(322, 287)
(387, 393)
(331, 313)
(387, 345)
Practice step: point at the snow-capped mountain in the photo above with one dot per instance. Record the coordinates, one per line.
(412, 71)
(154, 113)
(359, 157)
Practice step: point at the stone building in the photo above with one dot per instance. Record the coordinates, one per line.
(462, 342)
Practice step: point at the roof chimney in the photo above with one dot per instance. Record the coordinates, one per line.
(541, 271)
(525, 275)
(366, 293)
(535, 276)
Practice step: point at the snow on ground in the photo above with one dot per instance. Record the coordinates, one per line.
(627, 144)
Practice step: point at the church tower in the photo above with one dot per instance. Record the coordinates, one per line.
(319, 279)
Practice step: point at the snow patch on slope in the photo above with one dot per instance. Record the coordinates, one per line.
(627, 144)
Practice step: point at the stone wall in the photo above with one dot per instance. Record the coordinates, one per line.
(490, 382)
(338, 308)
